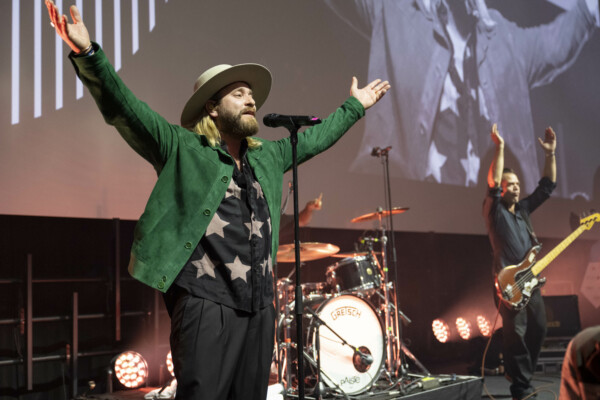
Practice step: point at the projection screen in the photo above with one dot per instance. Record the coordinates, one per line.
(523, 65)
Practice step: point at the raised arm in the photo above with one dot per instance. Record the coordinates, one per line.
(319, 138)
(76, 34)
(305, 215)
(149, 134)
(497, 165)
(550, 49)
(549, 147)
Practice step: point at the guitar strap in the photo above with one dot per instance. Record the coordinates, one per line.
(525, 217)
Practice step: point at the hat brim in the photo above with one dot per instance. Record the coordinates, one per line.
(255, 75)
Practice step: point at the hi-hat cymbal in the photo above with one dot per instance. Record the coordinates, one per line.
(379, 214)
(308, 251)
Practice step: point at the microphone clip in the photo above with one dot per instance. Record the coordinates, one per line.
(378, 151)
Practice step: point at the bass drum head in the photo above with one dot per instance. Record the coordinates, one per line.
(355, 321)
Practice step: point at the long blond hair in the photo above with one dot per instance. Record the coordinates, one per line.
(206, 126)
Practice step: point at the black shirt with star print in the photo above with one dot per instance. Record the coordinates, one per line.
(232, 264)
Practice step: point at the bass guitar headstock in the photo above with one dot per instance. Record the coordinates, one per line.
(589, 220)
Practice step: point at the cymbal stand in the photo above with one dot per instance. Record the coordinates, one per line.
(386, 301)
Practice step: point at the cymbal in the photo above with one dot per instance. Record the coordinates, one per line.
(379, 214)
(308, 251)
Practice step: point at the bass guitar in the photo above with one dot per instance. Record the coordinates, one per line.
(516, 283)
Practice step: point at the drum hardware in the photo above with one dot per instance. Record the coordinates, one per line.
(401, 315)
(387, 295)
(350, 255)
(358, 279)
(321, 386)
(392, 327)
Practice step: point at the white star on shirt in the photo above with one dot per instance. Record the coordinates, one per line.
(256, 225)
(216, 226)
(435, 163)
(471, 165)
(233, 190)
(258, 188)
(266, 266)
(205, 266)
(238, 269)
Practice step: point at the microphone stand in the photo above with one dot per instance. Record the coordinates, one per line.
(293, 128)
(292, 124)
(395, 361)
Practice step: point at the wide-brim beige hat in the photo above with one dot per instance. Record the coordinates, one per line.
(214, 79)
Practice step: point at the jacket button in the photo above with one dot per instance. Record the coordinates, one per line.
(164, 278)
(188, 245)
(224, 179)
(160, 285)
(207, 212)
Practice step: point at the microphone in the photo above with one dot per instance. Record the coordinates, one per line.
(289, 121)
(366, 358)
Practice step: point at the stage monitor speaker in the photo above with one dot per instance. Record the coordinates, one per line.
(562, 316)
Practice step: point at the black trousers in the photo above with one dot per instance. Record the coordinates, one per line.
(219, 353)
(523, 334)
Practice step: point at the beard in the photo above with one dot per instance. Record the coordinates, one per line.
(233, 125)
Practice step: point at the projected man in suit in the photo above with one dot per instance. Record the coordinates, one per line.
(512, 236)
(455, 66)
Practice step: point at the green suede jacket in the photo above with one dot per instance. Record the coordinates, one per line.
(192, 175)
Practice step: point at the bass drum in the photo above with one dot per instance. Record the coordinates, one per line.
(357, 323)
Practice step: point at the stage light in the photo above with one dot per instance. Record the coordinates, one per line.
(441, 331)
(464, 328)
(170, 364)
(131, 369)
(485, 327)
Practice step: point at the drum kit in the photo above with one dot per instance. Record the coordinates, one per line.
(351, 321)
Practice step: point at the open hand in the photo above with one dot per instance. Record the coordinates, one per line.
(496, 138)
(76, 34)
(549, 142)
(370, 94)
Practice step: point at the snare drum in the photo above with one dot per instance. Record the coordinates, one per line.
(355, 274)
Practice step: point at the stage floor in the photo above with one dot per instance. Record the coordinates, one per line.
(464, 387)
